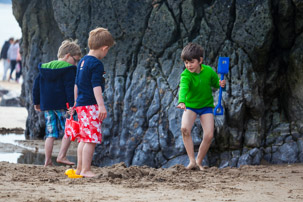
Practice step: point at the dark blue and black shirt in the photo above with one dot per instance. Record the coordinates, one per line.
(54, 86)
(90, 74)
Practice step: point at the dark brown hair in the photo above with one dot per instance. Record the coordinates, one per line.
(192, 51)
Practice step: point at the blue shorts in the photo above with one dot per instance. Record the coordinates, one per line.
(54, 119)
(204, 110)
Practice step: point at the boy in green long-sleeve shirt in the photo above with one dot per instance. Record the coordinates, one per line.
(195, 97)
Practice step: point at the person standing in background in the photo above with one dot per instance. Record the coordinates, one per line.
(12, 55)
(18, 66)
(6, 62)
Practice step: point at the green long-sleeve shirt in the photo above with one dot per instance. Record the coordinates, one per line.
(196, 89)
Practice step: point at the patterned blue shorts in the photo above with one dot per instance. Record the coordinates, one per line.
(53, 120)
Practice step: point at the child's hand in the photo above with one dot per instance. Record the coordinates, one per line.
(102, 113)
(222, 83)
(71, 111)
(37, 108)
(181, 106)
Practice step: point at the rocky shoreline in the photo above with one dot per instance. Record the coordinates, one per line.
(4, 130)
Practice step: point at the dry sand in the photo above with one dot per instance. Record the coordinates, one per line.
(22, 182)
(117, 183)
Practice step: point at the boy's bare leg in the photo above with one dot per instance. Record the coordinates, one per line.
(207, 122)
(188, 120)
(49, 142)
(63, 150)
(87, 157)
(79, 157)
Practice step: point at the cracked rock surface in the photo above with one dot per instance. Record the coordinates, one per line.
(263, 102)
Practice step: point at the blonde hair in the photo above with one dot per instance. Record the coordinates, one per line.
(69, 46)
(100, 37)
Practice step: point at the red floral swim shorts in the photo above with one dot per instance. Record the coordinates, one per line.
(90, 124)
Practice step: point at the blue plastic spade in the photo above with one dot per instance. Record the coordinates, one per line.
(223, 65)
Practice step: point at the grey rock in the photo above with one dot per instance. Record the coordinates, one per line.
(11, 99)
(287, 153)
(3, 91)
(182, 160)
(244, 159)
(235, 138)
(250, 157)
(253, 135)
(143, 156)
(267, 154)
(300, 149)
(295, 105)
(225, 158)
(253, 30)
(263, 98)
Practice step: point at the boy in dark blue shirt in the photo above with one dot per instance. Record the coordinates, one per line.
(53, 88)
(89, 101)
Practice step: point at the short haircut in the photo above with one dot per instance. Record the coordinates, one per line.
(100, 37)
(11, 39)
(192, 51)
(69, 46)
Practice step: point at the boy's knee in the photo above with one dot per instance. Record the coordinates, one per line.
(208, 137)
(185, 132)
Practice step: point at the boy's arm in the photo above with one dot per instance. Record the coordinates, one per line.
(36, 94)
(222, 84)
(184, 87)
(215, 80)
(69, 82)
(75, 94)
(181, 105)
(37, 108)
(99, 98)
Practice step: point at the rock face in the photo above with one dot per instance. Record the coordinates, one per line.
(9, 98)
(263, 102)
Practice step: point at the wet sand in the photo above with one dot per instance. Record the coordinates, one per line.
(11, 118)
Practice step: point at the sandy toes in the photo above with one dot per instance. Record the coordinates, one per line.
(46, 164)
(201, 167)
(88, 174)
(191, 166)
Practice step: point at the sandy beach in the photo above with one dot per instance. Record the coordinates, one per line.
(117, 183)
(28, 182)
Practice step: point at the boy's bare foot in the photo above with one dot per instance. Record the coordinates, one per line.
(201, 167)
(88, 174)
(65, 161)
(48, 164)
(191, 166)
(77, 171)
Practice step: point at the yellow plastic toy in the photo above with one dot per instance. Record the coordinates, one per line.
(71, 173)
